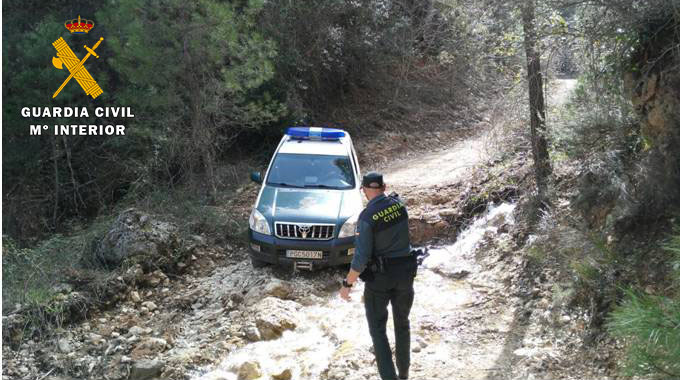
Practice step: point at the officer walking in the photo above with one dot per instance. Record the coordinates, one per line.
(383, 261)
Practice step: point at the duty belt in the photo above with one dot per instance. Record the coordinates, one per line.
(399, 260)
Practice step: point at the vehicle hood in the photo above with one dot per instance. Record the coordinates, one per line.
(309, 205)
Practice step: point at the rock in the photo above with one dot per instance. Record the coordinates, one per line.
(96, 338)
(154, 343)
(253, 334)
(197, 241)
(136, 272)
(149, 305)
(454, 273)
(249, 371)
(134, 296)
(441, 226)
(63, 288)
(139, 239)
(504, 228)
(236, 298)
(274, 316)
(64, 345)
(448, 212)
(279, 289)
(156, 278)
(253, 296)
(136, 330)
(149, 346)
(145, 369)
(656, 119)
(286, 374)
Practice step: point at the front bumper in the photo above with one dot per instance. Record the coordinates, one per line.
(273, 250)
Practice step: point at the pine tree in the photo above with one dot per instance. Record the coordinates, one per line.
(194, 70)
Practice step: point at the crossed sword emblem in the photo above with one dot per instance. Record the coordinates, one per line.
(65, 56)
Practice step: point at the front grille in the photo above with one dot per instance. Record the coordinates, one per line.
(304, 231)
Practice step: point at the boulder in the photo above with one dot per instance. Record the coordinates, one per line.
(155, 278)
(249, 370)
(135, 273)
(278, 288)
(134, 296)
(149, 305)
(64, 345)
(286, 374)
(274, 316)
(149, 346)
(448, 212)
(136, 330)
(136, 237)
(96, 338)
(253, 334)
(145, 369)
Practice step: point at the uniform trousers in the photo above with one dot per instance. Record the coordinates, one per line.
(394, 287)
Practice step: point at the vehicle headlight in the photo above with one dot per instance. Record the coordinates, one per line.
(349, 228)
(258, 223)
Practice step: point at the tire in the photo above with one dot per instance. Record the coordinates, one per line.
(258, 263)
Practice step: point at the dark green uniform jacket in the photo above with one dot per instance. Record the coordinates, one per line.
(382, 229)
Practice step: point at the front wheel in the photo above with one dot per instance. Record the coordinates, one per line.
(258, 263)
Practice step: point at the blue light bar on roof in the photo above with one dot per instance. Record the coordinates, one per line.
(312, 133)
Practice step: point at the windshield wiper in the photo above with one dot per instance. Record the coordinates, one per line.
(284, 184)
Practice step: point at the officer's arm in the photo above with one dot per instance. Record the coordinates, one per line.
(364, 249)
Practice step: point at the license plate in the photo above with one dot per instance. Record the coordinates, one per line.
(297, 254)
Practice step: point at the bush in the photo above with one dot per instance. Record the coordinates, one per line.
(597, 119)
(650, 327)
(32, 275)
(193, 213)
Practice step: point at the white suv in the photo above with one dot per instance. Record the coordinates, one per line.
(306, 212)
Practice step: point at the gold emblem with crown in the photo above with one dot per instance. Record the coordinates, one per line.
(79, 27)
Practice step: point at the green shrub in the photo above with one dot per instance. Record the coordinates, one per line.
(650, 326)
(193, 213)
(29, 275)
(597, 119)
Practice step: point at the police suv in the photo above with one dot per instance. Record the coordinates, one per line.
(306, 212)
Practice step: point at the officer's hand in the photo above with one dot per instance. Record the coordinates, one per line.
(344, 293)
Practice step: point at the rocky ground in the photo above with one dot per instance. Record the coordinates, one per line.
(481, 311)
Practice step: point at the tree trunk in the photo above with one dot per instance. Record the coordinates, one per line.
(203, 140)
(55, 206)
(539, 144)
(76, 194)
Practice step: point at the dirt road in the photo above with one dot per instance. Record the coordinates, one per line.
(462, 319)
(471, 318)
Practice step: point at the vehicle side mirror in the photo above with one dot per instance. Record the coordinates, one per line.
(256, 177)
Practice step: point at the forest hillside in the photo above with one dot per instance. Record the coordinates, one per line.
(536, 145)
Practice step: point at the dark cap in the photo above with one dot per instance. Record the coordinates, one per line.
(373, 180)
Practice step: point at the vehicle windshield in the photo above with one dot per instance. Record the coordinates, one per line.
(311, 171)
